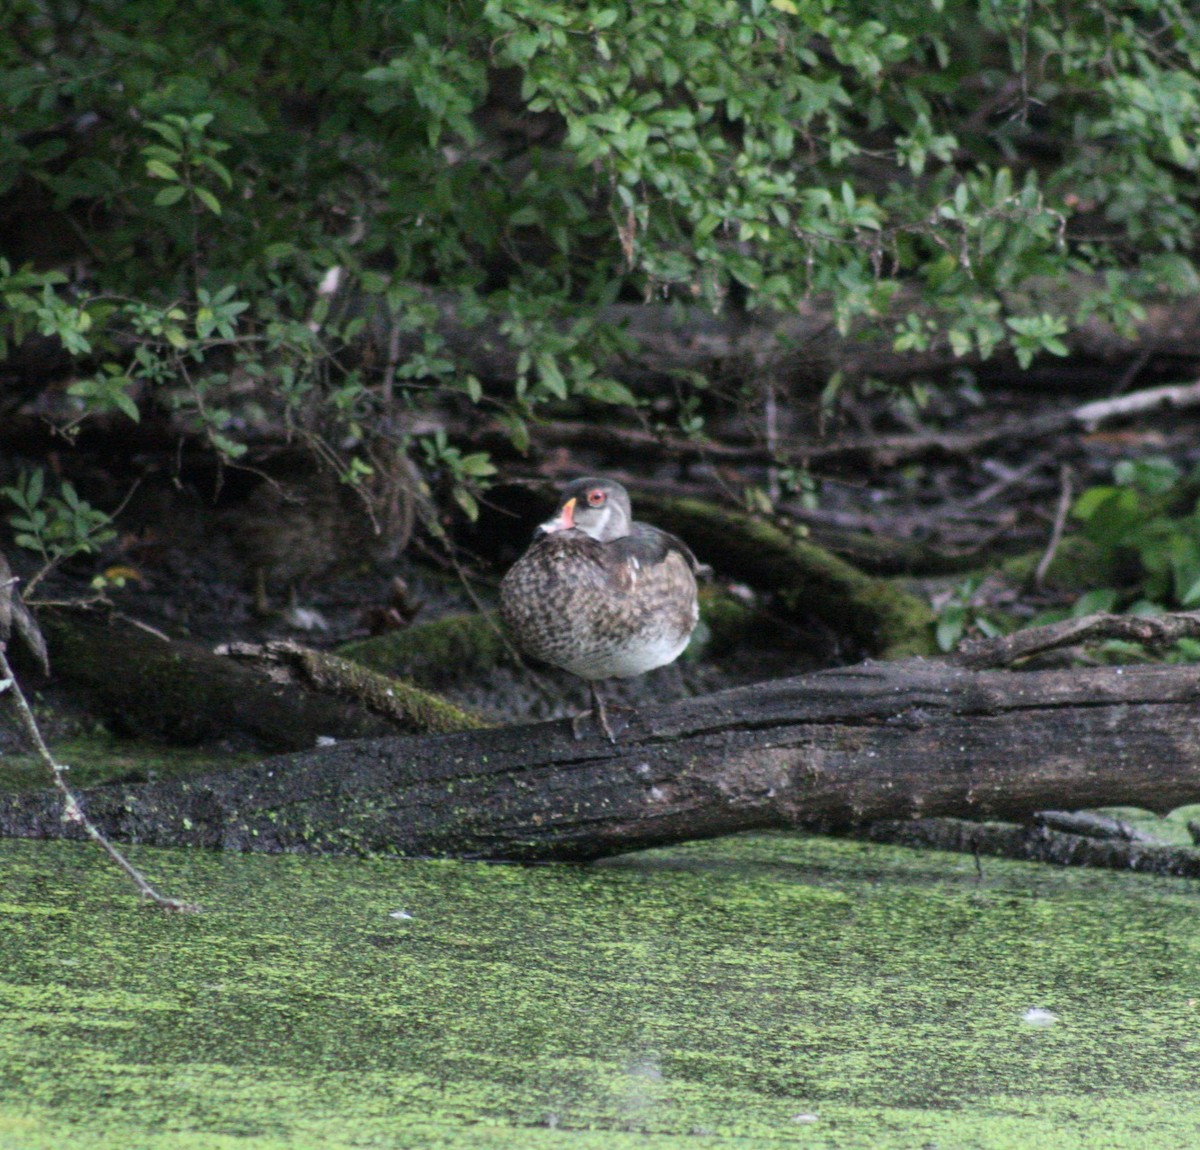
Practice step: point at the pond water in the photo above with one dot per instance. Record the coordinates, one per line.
(760, 991)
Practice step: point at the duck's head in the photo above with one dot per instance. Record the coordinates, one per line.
(597, 507)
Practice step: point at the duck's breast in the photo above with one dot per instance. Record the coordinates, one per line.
(599, 611)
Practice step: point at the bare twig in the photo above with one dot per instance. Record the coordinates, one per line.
(1149, 630)
(72, 811)
(1006, 478)
(1060, 523)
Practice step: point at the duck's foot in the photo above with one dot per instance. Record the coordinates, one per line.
(599, 712)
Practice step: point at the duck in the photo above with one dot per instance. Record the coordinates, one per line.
(600, 594)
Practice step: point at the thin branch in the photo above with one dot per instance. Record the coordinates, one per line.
(1155, 631)
(1060, 524)
(1150, 399)
(72, 811)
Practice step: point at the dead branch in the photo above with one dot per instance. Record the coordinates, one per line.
(146, 684)
(13, 612)
(1038, 841)
(878, 452)
(1152, 631)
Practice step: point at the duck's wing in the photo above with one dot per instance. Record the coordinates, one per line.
(649, 546)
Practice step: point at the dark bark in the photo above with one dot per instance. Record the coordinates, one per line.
(827, 751)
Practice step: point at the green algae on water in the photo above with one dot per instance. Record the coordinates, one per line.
(761, 991)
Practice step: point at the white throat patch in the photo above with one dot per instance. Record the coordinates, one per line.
(596, 530)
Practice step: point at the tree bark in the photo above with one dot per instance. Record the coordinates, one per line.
(827, 751)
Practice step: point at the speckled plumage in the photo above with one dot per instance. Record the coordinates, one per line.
(599, 594)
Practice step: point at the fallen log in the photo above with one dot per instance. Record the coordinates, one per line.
(874, 451)
(909, 739)
(267, 698)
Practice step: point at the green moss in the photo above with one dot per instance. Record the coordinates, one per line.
(726, 621)
(1078, 565)
(717, 995)
(385, 694)
(434, 654)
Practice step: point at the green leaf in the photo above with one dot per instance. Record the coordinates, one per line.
(517, 430)
(125, 403)
(950, 627)
(467, 502)
(609, 391)
(208, 200)
(217, 168)
(168, 196)
(1191, 596)
(230, 448)
(161, 171)
(551, 376)
(478, 465)
(1091, 500)
(168, 132)
(1101, 599)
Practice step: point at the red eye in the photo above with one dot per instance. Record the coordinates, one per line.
(596, 498)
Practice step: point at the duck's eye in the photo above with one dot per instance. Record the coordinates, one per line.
(596, 498)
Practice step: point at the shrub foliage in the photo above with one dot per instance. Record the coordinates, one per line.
(178, 183)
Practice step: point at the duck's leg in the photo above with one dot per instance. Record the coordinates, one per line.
(596, 711)
(599, 712)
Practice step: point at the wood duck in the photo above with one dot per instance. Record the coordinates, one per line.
(599, 594)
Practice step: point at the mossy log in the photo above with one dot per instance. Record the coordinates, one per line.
(880, 618)
(144, 684)
(406, 706)
(830, 751)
